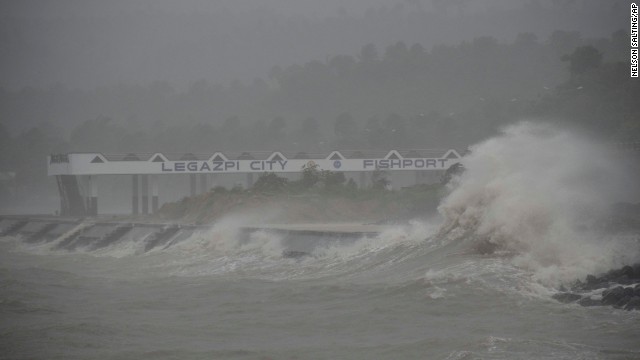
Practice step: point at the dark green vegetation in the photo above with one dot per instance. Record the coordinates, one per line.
(404, 96)
(316, 196)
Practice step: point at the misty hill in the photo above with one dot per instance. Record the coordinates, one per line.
(401, 96)
(373, 87)
(87, 44)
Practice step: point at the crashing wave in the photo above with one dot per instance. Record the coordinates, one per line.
(538, 193)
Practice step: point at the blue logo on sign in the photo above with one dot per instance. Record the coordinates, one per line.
(337, 164)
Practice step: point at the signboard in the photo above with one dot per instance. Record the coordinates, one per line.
(97, 164)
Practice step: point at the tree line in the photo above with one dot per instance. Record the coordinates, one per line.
(402, 97)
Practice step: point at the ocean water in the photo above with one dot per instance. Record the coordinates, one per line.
(474, 283)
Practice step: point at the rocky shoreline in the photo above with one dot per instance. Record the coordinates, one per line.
(619, 288)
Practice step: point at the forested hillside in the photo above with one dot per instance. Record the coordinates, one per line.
(403, 96)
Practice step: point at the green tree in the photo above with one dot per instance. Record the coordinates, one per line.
(379, 180)
(583, 59)
(310, 175)
(368, 54)
(333, 179)
(563, 41)
(342, 65)
(270, 182)
(397, 53)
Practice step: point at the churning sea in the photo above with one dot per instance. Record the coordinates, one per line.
(401, 295)
(474, 283)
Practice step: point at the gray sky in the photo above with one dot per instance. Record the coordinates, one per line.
(87, 44)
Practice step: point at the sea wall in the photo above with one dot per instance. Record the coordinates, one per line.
(94, 234)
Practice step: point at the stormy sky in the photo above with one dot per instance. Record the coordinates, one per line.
(87, 44)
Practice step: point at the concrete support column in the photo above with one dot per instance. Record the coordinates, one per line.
(249, 180)
(154, 193)
(134, 195)
(86, 193)
(213, 183)
(90, 188)
(203, 183)
(145, 194)
(192, 181)
(363, 180)
(94, 196)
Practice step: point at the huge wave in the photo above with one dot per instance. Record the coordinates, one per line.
(541, 196)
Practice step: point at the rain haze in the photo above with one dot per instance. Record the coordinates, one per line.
(86, 44)
(303, 179)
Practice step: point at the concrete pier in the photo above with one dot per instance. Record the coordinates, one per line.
(93, 184)
(90, 195)
(154, 193)
(192, 183)
(145, 194)
(134, 195)
(204, 183)
(81, 200)
(249, 180)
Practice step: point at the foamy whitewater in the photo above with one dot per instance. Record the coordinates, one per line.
(525, 218)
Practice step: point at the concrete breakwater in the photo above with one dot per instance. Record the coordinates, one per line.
(94, 234)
